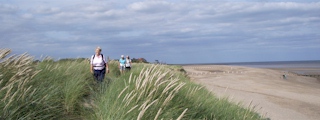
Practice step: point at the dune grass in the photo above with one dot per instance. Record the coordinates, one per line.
(67, 90)
(46, 90)
(164, 92)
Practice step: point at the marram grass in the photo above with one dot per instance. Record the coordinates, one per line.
(45, 90)
(20, 99)
(66, 90)
(163, 92)
(141, 97)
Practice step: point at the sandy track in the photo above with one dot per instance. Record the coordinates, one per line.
(294, 98)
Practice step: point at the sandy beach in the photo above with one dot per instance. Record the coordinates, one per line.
(273, 96)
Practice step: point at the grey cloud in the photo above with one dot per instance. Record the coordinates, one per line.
(7, 8)
(45, 10)
(151, 6)
(156, 28)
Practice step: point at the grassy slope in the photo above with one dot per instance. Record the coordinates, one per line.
(163, 92)
(66, 90)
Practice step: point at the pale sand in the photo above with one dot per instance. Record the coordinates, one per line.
(294, 98)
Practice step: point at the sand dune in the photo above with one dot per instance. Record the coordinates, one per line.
(293, 98)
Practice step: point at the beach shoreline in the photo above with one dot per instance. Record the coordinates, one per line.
(295, 97)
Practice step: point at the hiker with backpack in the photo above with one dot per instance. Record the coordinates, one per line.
(98, 65)
(122, 66)
(128, 63)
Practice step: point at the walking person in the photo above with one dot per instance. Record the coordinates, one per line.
(122, 63)
(98, 65)
(128, 63)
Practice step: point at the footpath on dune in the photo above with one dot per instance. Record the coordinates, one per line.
(276, 97)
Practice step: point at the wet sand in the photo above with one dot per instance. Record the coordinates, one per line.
(292, 98)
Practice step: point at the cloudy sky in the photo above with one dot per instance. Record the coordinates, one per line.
(172, 31)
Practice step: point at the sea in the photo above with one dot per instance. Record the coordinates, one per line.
(299, 67)
(277, 64)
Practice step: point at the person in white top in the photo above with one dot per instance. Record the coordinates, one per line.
(128, 63)
(98, 65)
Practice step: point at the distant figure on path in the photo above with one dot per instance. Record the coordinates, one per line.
(98, 65)
(122, 66)
(284, 75)
(128, 63)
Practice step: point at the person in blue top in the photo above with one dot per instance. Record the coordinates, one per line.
(122, 66)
